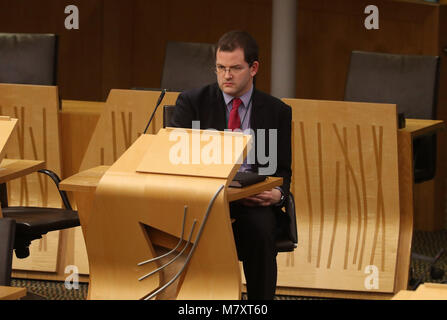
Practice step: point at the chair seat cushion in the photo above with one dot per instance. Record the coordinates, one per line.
(41, 220)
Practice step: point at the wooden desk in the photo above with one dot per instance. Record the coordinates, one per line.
(426, 291)
(222, 276)
(429, 213)
(16, 168)
(11, 293)
(84, 185)
(418, 127)
(87, 181)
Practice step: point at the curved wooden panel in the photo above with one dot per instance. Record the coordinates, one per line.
(346, 182)
(138, 216)
(123, 120)
(36, 138)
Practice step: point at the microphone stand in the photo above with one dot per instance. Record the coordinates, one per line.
(160, 99)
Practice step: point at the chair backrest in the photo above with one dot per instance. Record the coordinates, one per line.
(28, 58)
(35, 138)
(7, 234)
(188, 65)
(409, 81)
(123, 120)
(168, 112)
(345, 171)
(287, 239)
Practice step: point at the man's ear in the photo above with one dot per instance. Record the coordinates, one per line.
(254, 68)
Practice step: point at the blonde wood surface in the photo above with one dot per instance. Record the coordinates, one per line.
(84, 181)
(84, 184)
(123, 120)
(419, 127)
(36, 138)
(78, 122)
(201, 153)
(11, 293)
(87, 181)
(143, 196)
(7, 126)
(16, 168)
(406, 199)
(426, 291)
(346, 186)
(104, 244)
(428, 212)
(77, 106)
(240, 193)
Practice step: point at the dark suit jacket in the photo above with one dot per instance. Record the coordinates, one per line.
(207, 105)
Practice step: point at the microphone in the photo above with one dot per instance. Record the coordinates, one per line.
(160, 99)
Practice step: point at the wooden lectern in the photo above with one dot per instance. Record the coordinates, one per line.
(157, 225)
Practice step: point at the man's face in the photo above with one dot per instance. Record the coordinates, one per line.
(234, 75)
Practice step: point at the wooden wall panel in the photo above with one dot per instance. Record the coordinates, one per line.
(121, 44)
(79, 70)
(329, 30)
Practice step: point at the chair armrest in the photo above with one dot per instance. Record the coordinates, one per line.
(57, 180)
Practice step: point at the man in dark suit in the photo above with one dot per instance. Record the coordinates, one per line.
(234, 103)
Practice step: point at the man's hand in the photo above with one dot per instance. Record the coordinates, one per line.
(264, 199)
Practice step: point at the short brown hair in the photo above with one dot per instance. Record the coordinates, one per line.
(232, 40)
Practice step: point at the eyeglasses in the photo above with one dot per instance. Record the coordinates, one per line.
(232, 70)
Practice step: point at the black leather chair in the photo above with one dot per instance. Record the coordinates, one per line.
(168, 112)
(188, 65)
(7, 233)
(28, 58)
(33, 222)
(287, 234)
(410, 82)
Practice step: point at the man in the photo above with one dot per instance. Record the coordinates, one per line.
(234, 103)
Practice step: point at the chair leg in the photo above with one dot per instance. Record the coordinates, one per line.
(3, 195)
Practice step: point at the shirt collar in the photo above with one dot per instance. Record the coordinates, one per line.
(245, 97)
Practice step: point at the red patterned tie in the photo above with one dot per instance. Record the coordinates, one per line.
(235, 121)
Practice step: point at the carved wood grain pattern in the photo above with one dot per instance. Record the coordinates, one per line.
(24, 198)
(123, 120)
(350, 196)
(321, 180)
(36, 157)
(308, 192)
(114, 146)
(364, 199)
(356, 187)
(380, 210)
(127, 129)
(348, 205)
(101, 156)
(37, 134)
(335, 223)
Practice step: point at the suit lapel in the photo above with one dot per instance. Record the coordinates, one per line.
(221, 121)
(258, 116)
